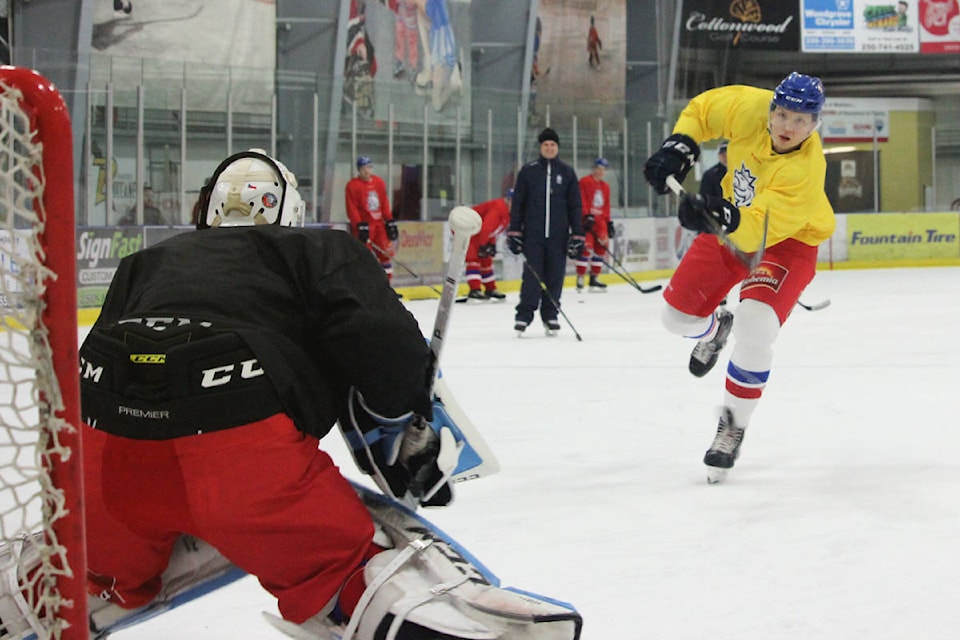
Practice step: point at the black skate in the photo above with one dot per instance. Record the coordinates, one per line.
(725, 450)
(579, 284)
(596, 285)
(476, 294)
(520, 326)
(493, 294)
(705, 354)
(551, 327)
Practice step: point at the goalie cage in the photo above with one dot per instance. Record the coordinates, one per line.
(40, 456)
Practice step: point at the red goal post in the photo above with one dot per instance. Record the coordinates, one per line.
(41, 518)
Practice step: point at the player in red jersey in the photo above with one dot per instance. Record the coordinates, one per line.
(368, 209)
(483, 248)
(595, 195)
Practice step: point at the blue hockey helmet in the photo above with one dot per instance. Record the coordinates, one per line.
(798, 92)
(363, 161)
(508, 193)
(601, 162)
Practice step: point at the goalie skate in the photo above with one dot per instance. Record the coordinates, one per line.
(430, 588)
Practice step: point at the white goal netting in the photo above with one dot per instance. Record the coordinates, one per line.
(35, 439)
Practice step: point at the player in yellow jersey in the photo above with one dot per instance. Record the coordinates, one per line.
(776, 168)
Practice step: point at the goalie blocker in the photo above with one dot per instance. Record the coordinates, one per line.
(424, 587)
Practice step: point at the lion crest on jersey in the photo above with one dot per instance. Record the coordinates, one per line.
(597, 199)
(373, 203)
(744, 186)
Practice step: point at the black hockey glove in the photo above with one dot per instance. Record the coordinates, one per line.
(575, 246)
(392, 233)
(705, 213)
(363, 232)
(589, 222)
(611, 229)
(674, 158)
(515, 242)
(487, 250)
(410, 458)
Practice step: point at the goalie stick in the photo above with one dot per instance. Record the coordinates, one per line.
(464, 455)
(749, 260)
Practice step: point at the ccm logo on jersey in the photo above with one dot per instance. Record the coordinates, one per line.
(219, 376)
(148, 358)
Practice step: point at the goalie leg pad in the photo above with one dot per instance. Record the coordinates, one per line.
(18, 561)
(428, 580)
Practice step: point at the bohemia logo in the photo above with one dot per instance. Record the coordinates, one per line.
(750, 21)
(766, 274)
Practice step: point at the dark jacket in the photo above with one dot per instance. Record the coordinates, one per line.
(710, 183)
(528, 211)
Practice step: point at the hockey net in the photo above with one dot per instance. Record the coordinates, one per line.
(42, 557)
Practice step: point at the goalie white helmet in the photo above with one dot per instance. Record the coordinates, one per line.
(250, 188)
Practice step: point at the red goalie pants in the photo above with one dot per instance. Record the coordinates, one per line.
(262, 494)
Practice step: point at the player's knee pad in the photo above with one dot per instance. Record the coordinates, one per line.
(754, 332)
(757, 324)
(684, 324)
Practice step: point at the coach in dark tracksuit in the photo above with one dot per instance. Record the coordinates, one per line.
(546, 227)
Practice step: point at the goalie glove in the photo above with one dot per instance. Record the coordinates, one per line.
(707, 214)
(409, 457)
(675, 157)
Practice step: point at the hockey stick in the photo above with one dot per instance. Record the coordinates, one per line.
(749, 260)
(629, 279)
(555, 302)
(814, 307)
(405, 268)
(465, 223)
(622, 272)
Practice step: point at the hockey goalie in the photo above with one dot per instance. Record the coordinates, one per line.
(220, 358)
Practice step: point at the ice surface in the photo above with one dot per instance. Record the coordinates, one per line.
(841, 519)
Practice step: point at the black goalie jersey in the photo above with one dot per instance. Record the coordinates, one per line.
(222, 327)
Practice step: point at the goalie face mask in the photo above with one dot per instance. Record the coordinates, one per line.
(250, 188)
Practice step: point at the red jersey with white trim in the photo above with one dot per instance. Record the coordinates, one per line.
(595, 196)
(367, 201)
(496, 217)
(789, 185)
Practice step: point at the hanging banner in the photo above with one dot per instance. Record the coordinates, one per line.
(940, 26)
(859, 26)
(748, 24)
(579, 63)
(168, 45)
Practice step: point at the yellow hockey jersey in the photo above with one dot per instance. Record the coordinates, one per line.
(789, 185)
